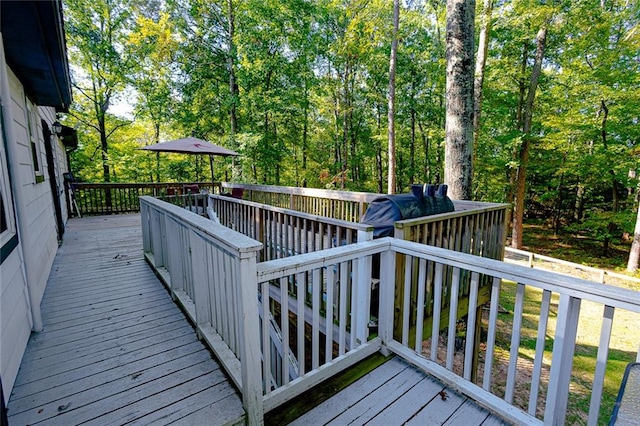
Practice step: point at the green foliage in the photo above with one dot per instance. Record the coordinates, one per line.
(311, 100)
(605, 225)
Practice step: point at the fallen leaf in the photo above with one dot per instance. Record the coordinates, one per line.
(64, 407)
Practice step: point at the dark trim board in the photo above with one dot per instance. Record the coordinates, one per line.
(6, 249)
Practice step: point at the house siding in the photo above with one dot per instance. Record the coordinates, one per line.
(34, 201)
(26, 269)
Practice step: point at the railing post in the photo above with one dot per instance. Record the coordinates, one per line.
(200, 273)
(363, 296)
(156, 238)
(562, 360)
(250, 353)
(144, 218)
(387, 289)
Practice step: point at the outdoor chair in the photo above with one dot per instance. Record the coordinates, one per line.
(627, 408)
(237, 193)
(191, 189)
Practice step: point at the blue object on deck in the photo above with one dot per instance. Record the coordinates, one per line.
(425, 200)
(627, 408)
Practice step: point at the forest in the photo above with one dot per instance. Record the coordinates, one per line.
(301, 89)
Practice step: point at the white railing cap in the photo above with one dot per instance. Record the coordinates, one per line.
(232, 239)
(575, 287)
(338, 222)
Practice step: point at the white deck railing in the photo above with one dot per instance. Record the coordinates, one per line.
(285, 232)
(209, 268)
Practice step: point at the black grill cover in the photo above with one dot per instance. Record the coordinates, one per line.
(384, 211)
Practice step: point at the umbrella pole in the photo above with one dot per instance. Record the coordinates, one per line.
(212, 178)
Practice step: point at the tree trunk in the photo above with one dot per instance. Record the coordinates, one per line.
(579, 206)
(378, 145)
(459, 98)
(522, 90)
(412, 144)
(156, 139)
(523, 157)
(427, 164)
(481, 60)
(634, 253)
(391, 183)
(233, 86)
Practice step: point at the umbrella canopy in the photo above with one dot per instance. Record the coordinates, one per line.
(191, 146)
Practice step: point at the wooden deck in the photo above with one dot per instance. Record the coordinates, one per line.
(397, 393)
(115, 348)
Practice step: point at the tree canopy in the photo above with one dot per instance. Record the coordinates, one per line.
(301, 89)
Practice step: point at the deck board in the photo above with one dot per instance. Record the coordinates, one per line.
(115, 349)
(397, 394)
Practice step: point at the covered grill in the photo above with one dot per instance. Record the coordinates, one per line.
(425, 200)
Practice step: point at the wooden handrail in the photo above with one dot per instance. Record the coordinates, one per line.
(86, 199)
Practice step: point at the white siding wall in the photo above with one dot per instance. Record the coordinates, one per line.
(35, 217)
(15, 319)
(34, 203)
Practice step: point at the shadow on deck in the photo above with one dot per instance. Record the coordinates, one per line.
(115, 348)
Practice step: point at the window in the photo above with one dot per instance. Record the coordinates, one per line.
(3, 216)
(8, 235)
(35, 143)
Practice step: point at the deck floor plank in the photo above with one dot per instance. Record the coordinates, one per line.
(72, 351)
(350, 396)
(438, 410)
(115, 339)
(379, 399)
(397, 394)
(115, 348)
(401, 410)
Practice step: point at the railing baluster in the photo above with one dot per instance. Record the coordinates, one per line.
(453, 309)
(601, 365)
(491, 333)
(437, 309)
(218, 285)
(422, 278)
(354, 295)
(471, 326)
(315, 323)
(406, 302)
(284, 328)
(539, 355)
(515, 343)
(329, 313)
(562, 359)
(343, 308)
(266, 337)
(301, 280)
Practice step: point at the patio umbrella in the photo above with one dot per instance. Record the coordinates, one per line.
(192, 145)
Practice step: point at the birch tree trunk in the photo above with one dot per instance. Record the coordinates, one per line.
(523, 154)
(459, 98)
(391, 184)
(634, 253)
